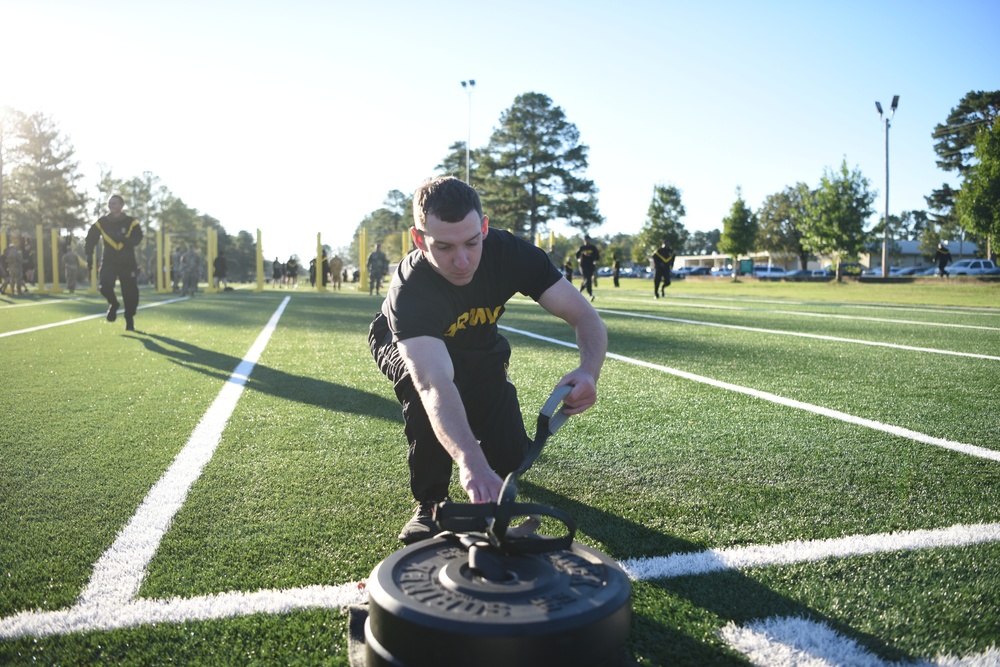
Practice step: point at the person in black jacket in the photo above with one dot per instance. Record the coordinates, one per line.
(942, 258)
(663, 264)
(121, 234)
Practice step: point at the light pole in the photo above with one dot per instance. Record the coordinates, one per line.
(467, 86)
(885, 228)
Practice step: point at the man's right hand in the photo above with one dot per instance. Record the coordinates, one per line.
(482, 484)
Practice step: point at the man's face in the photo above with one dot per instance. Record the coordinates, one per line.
(453, 249)
(115, 205)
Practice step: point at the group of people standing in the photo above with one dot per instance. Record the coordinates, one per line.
(15, 264)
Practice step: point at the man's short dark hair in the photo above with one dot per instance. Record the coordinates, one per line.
(446, 198)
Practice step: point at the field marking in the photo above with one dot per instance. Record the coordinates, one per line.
(46, 302)
(131, 613)
(108, 601)
(966, 310)
(860, 318)
(802, 642)
(834, 339)
(798, 551)
(119, 572)
(898, 431)
(88, 317)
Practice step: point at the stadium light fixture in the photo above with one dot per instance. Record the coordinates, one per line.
(467, 86)
(885, 228)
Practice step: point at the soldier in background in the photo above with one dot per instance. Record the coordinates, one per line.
(190, 271)
(13, 261)
(336, 270)
(71, 267)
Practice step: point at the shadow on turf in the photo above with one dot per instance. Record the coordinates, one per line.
(267, 380)
(729, 596)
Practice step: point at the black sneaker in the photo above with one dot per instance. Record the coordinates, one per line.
(129, 323)
(421, 526)
(112, 312)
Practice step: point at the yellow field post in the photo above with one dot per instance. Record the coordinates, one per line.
(404, 243)
(40, 261)
(168, 260)
(552, 240)
(538, 239)
(159, 261)
(320, 287)
(260, 265)
(213, 242)
(56, 286)
(363, 259)
(3, 242)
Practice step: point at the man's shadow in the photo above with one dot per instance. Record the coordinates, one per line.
(731, 596)
(271, 381)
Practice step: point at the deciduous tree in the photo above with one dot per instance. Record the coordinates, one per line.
(978, 201)
(739, 229)
(836, 215)
(663, 221)
(781, 219)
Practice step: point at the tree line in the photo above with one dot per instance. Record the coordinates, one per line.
(40, 184)
(532, 173)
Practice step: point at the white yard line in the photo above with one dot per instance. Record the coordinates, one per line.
(861, 318)
(797, 551)
(777, 332)
(801, 642)
(971, 450)
(119, 572)
(87, 317)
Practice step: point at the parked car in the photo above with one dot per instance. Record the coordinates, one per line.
(970, 267)
(761, 271)
(911, 271)
(722, 271)
(799, 273)
(851, 269)
(700, 271)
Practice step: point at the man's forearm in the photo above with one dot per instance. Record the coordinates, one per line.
(592, 340)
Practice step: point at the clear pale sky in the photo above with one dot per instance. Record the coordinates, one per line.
(297, 117)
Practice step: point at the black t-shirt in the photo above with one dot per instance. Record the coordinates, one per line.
(420, 302)
(588, 255)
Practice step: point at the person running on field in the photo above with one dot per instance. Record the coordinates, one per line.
(663, 264)
(588, 255)
(121, 234)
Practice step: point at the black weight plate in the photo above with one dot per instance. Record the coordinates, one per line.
(428, 608)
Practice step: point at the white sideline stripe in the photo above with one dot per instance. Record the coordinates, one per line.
(899, 431)
(884, 320)
(47, 302)
(777, 332)
(966, 310)
(119, 572)
(87, 317)
(797, 551)
(138, 612)
(133, 613)
(800, 642)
